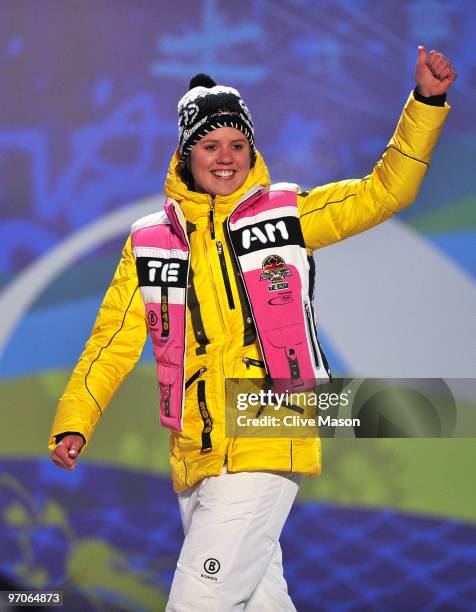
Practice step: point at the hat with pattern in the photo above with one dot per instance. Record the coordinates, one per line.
(207, 107)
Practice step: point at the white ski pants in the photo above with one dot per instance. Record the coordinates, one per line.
(231, 558)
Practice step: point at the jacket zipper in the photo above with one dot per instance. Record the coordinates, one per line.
(186, 240)
(248, 361)
(226, 278)
(166, 392)
(310, 327)
(206, 418)
(195, 375)
(244, 286)
(215, 292)
(211, 214)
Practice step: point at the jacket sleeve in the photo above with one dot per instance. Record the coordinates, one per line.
(332, 212)
(115, 344)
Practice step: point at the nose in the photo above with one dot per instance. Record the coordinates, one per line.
(225, 155)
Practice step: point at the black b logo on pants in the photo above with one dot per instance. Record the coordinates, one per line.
(211, 566)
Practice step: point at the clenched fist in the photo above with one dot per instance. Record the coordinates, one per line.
(66, 452)
(434, 73)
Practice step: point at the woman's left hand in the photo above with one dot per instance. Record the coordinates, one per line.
(434, 73)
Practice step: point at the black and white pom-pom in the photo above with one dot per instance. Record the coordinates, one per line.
(201, 80)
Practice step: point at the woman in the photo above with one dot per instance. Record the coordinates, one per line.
(204, 278)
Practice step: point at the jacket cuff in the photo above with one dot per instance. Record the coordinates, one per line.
(60, 436)
(430, 100)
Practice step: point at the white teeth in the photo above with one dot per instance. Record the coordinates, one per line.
(223, 173)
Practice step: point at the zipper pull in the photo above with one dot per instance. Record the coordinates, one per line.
(249, 361)
(166, 392)
(219, 247)
(211, 214)
(194, 376)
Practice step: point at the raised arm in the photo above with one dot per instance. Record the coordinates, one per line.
(111, 352)
(332, 212)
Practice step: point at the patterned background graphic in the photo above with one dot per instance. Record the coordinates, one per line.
(87, 128)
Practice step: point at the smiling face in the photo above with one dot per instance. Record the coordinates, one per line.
(220, 162)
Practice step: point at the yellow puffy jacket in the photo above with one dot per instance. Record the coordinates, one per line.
(217, 336)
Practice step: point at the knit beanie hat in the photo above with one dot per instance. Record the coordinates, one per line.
(207, 107)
